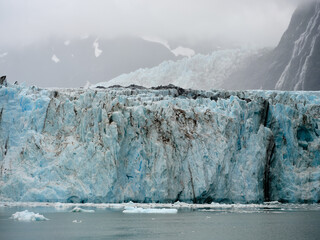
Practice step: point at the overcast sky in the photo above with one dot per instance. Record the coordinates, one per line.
(259, 22)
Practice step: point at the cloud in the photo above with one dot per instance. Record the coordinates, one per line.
(257, 22)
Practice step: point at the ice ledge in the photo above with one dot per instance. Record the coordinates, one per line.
(177, 205)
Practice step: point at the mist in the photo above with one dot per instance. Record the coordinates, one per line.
(247, 22)
(57, 43)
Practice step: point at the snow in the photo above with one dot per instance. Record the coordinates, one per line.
(183, 51)
(26, 216)
(154, 39)
(55, 58)
(78, 209)
(97, 51)
(179, 51)
(87, 85)
(150, 210)
(197, 72)
(307, 62)
(304, 48)
(115, 145)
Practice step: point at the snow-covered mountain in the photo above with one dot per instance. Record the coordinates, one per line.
(303, 40)
(197, 72)
(294, 64)
(160, 145)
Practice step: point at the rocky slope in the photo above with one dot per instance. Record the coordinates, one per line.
(294, 64)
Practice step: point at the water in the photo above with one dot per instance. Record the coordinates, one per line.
(219, 223)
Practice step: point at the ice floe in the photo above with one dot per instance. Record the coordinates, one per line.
(150, 210)
(77, 209)
(176, 205)
(77, 221)
(26, 216)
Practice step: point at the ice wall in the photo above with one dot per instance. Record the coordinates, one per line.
(158, 145)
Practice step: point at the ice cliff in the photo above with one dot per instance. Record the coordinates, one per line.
(158, 145)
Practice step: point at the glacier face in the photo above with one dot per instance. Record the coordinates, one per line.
(158, 145)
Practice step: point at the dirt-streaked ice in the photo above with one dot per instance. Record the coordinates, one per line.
(121, 144)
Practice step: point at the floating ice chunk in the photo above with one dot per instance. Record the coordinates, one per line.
(149, 210)
(77, 209)
(77, 221)
(26, 216)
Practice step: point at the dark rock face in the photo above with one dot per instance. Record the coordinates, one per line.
(300, 46)
(3, 81)
(294, 64)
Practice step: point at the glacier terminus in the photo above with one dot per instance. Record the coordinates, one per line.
(162, 144)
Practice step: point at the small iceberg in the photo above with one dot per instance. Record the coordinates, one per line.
(150, 210)
(77, 221)
(26, 216)
(77, 209)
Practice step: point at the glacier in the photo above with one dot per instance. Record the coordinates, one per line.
(196, 72)
(164, 144)
(294, 64)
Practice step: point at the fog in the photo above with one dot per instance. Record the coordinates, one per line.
(245, 22)
(59, 43)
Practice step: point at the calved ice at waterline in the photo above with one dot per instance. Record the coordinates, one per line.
(159, 145)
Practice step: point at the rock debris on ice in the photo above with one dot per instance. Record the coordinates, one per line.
(198, 72)
(158, 145)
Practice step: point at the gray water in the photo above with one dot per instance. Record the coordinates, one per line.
(186, 224)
